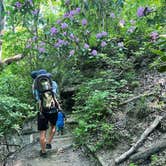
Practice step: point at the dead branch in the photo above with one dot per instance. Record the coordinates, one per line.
(10, 60)
(127, 154)
(137, 97)
(148, 152)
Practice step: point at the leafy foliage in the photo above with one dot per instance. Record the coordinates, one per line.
(95, 45)
(12, 114)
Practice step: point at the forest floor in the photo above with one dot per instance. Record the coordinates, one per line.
(135, 117)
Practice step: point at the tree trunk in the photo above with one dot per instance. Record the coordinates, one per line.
(2, 19)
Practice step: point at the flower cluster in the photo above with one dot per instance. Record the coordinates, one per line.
(102, 34)
(143, 11)
(60, 43)
(35, 12)
(86, 46)
(154, 36)
(64, 25)
(53, 31)
(112, 15)
(18, 5)
(84, 22)
(72, 13)
(121, 23)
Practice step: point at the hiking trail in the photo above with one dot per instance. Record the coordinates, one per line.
(62, 153)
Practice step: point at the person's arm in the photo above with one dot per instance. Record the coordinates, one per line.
(40, 107)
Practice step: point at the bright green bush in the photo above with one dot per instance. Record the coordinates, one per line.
(12, 114)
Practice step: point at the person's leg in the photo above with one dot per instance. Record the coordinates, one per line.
(61, 130)
(52, 119)
(51, 134)
(43, 140)
(42, 127)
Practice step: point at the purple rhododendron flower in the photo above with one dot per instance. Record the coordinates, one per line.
(86, 46)
(72, 36)
(28, 46)
(99, 35)
(72, 12)
(154, 36)
(41, 49)
(18, 5)
(143, 11)
(104, 33)
(77, 40)
(35, 12)
(60, 43)
(112, 15)
(58, 21)
(42, 43)
(66, 15)
(34, 38)
(64, 25)
(94, 52)
(72, 52)
(56, 45)
(103, 44)
(65, 33)
(84, 22)
(140, 11)
(122, 23)
(53, 31)
(78, 10)
(131, 29)
(120, 44)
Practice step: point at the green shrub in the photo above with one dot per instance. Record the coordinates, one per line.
(12, 114)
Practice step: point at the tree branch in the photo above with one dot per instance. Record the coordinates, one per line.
(127, 154)
(137, 97)
(148, 152)
(10, 60)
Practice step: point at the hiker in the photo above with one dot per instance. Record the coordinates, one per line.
(34, 74)
(60, 122)
(45, 94)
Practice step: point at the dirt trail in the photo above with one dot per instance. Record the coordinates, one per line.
(62, 154)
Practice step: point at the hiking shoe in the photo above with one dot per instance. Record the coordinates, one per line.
(48, 146)
(43, 154)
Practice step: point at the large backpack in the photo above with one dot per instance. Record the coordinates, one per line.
(43, 84)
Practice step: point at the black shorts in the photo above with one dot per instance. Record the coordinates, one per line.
(44, 118)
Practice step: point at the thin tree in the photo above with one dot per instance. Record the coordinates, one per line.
(2, 22)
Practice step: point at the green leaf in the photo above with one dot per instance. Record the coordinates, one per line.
(157, 52)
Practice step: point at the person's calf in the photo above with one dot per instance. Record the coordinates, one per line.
(43, 141)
